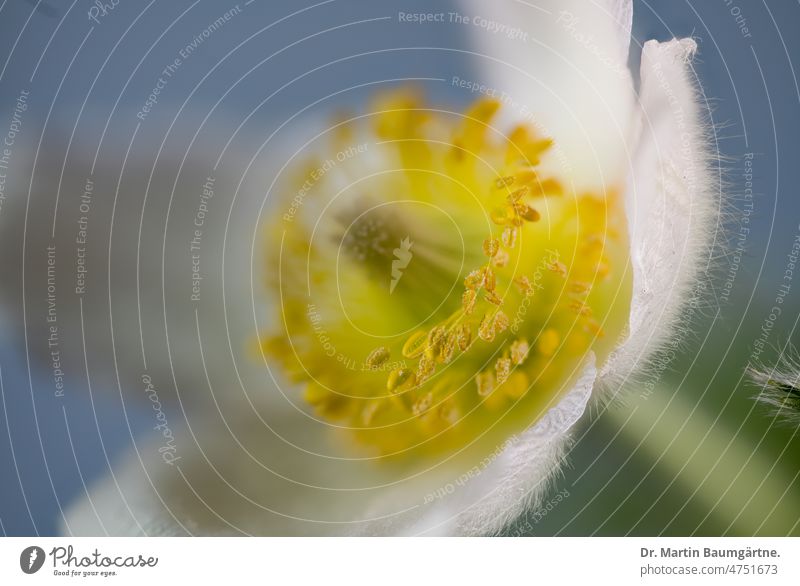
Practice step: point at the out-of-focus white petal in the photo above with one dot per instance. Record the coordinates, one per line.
(568, 74)
(136, 311)
(669, 201)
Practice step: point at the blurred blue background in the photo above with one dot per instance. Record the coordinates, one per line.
(697, 457)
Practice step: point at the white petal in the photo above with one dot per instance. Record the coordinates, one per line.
(670, 202)
(269, 480)
(259, 483)
(570, 73)
(515, 480)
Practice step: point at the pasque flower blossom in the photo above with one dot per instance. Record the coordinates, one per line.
(449, 290)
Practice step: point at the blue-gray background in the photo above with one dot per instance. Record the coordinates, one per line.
(700, 460)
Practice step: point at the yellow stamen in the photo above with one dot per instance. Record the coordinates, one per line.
(377, 357)
(428, 251)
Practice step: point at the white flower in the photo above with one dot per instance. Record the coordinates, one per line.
(276, 468)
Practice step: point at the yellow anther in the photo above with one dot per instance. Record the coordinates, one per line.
(503, 368)
(527, 350)
(500, 259)
(594, 328)
(468, 301)
(527, 213)
(579, 287)
(464, 337)
(502, 182)
(415, 345)
(449, 413)
(449, 347)
(400, 379)
(422, 404)
(491, 247)
(524, 285)
(517, 195)
(493, 298)
(603, 269)
(593, 243)
(519, 351)
(486, 329)
(489, 279)
(485, 383)
(580, 308)
(425, 368)
(436, 338)
(377, 357)
(548, 342)
(499, 216)
(500, 322)
(475, 279)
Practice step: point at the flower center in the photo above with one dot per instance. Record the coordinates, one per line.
(433, 287)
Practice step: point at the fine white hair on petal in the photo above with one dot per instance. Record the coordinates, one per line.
(504, 484)
(561, 65)
(670, 202)
(779, 386)
(515, 481)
